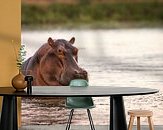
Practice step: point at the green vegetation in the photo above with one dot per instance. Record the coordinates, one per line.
(93, 15)
(21, 56)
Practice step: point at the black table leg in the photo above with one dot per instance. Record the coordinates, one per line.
(9, 113)
(117, 113)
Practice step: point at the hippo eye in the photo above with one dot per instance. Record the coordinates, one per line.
(61, 52)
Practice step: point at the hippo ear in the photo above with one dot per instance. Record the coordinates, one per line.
(72, 40)
(50, 41)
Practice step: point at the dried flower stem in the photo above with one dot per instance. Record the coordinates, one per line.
(19, 55)
(14, 50)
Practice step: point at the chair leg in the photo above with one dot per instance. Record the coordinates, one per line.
(150, 121)
(131, 123)
(90, 120)
(138, 123)
(69, 120)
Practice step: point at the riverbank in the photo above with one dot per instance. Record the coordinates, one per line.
(104, 15)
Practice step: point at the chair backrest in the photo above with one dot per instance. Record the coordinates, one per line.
(78, 83)
(79, 102)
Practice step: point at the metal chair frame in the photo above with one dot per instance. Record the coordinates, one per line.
(70, 119)
(89, 104)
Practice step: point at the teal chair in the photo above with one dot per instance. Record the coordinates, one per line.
(79, 102)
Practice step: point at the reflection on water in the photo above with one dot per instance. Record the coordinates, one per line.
(122, 57)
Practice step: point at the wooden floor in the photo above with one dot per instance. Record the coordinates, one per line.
(77, 127)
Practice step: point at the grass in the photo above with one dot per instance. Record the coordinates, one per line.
(111, 15)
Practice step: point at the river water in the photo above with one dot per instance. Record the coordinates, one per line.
(114, 57)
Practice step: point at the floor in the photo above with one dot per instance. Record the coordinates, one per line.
(77, 127)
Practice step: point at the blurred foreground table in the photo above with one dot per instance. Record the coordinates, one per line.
(117, 109)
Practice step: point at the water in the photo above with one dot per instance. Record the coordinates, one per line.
(120, 57)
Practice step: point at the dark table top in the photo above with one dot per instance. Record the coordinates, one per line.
(64, 91)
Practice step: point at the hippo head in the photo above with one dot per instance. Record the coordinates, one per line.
(63, 61)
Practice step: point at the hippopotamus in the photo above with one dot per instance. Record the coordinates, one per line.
(55, 63)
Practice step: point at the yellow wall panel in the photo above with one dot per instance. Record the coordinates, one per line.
(10, 29)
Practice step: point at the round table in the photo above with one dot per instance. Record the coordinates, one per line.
(117, 109)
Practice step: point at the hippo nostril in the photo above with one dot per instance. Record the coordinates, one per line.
(76, 72)
(80, 74)
(84, 72)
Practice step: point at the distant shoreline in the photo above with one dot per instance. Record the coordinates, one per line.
(94, 26)
(94, 16)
